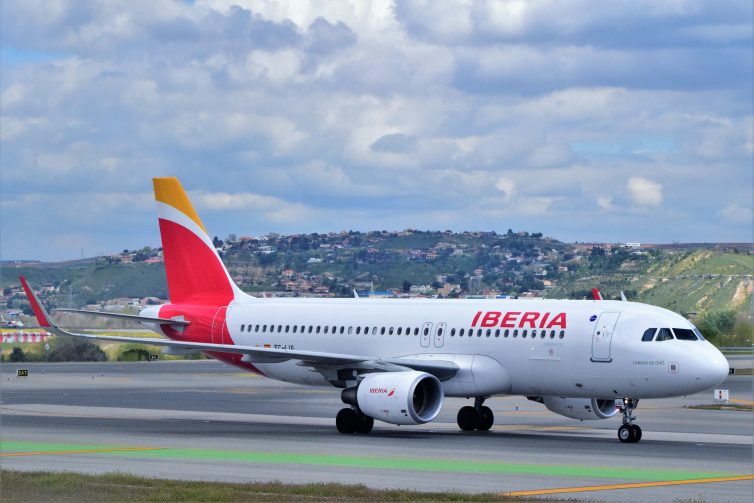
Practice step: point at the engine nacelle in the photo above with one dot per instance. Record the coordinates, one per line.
(581, 408)
(409, 397)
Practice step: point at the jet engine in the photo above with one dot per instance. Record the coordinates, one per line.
(579, 408)
(409, 397)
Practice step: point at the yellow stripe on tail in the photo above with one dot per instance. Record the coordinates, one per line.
(168, 190)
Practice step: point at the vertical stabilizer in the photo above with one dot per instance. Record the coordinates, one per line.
(195, 273)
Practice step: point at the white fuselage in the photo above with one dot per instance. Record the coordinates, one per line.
(590, 349)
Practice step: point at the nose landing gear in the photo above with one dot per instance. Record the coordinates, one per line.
(479, 417)
(629, 433)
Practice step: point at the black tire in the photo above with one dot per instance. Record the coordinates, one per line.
(486, 418)
(364, 424)
(636, 432)
(625, 434)
(468, 418)
(346, 420)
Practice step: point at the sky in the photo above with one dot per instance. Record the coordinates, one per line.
(606, 121)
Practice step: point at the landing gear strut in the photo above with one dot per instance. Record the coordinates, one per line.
(351, 420)
(479, 417)
(629, 433)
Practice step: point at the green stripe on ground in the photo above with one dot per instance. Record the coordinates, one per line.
(379, 462)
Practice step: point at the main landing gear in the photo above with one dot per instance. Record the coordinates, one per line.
(629, 433)
(479, 417)
(350, 420)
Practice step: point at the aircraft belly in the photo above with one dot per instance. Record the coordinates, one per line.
(289, 371)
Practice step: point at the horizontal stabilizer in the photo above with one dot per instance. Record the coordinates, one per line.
(131, 317)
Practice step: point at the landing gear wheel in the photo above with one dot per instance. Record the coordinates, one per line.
(636, 432)
(626, 434)
(468, 418)
(346, 420)
(364, 424)
(486, 418)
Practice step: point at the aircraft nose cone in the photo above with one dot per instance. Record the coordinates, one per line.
(715, 368)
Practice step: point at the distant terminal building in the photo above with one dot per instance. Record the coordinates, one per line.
(633, 245)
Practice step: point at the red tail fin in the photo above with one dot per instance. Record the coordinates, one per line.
(195, 273)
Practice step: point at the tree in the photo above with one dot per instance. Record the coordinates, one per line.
(17, 355)
(72, 349)
(406, 286)
(217, 242)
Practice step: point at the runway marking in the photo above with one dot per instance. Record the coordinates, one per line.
(636, 485)
(78, 451)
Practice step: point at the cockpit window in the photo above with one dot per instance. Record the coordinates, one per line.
(699, 334)
(648, 334)
(664, 335)
(684, 334)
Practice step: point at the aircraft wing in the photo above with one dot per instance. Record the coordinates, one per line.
(437, 367)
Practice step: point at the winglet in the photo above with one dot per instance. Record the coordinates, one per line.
(39, 311)
(596, 294)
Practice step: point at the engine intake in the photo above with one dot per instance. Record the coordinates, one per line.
(409, 397)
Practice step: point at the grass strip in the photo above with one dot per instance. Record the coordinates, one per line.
(418, 464)
(66, 487)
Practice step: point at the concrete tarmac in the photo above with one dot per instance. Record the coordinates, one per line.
(205, 420)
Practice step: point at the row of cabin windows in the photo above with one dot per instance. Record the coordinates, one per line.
(309, 329)
(524, 333)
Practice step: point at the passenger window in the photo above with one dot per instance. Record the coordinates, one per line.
(390, 331)
(264, 328)
(452, 332)
(489, 332)
(515, 333)
(648, 334)
(479, 332)
(326, 329)
(507, 332)
(256, 328)
(374, 330)
(358, 330)
(408, 330)
(318, 328)
(350, 330)
(562, 334)
(664, 335)
(684, 334)
(342, 329)
(552, 334)
(242, 327)
(426, 331)
(542, 334)
(382, 331)
(311, 327)
(523, 334)
(460, 332)
(366, 330)
(497, 332)
(295, 327)
(287, 328)
(439, 331)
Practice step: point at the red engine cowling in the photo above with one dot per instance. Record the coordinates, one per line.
(409, 397)
(581, 408)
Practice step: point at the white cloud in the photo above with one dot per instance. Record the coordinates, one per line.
(313, 115)
(735, 215)
(644, 192)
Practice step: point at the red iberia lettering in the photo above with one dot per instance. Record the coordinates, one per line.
(491, 319)
(529, 318)
(543, 320)
(509, 320)
(476, 318)
(558, 321)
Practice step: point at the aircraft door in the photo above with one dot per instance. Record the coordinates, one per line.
(602, 336)
(218, 326)
(440, 334)
(425, 335)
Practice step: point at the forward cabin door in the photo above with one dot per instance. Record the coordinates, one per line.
(425, 335)
(603, 335)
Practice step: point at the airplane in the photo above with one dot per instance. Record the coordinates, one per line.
(11, 323)
(395, 360)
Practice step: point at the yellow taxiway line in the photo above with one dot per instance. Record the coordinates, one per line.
(80, 451)
(610, 487)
